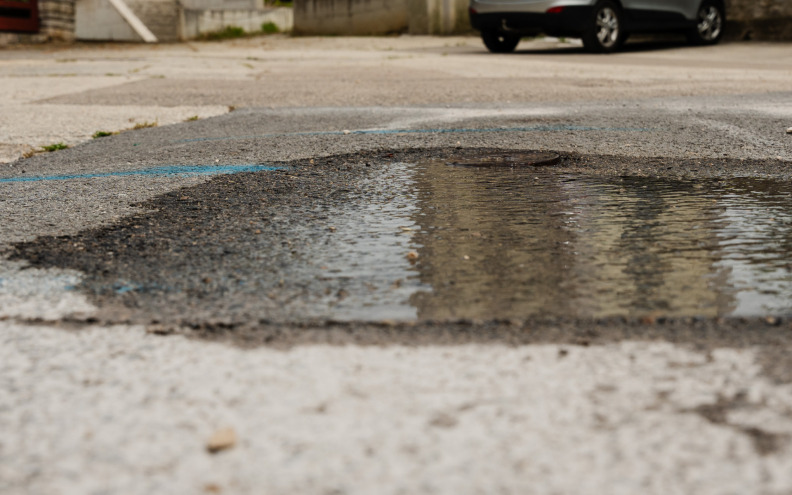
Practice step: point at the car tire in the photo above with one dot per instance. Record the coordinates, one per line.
(605, 29)
(710, 21)
(500, 42)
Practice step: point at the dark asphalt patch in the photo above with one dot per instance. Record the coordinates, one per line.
(221, 260)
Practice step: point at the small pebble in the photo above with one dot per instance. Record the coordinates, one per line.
(789, 130)
(443, 420)
(222, 439)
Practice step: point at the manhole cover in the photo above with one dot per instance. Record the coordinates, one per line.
(526, 159)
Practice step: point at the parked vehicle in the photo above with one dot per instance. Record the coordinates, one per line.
(603, 25)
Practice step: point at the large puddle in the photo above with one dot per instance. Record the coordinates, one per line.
(514, 243)
(433, 241)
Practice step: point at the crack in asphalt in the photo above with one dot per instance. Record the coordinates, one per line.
(764, 442)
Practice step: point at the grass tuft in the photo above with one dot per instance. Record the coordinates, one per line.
(270, 28)
(145, 125)
(233, 32)
(54, 147)
(230, 32)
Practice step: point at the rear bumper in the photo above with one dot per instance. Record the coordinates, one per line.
(569, 22)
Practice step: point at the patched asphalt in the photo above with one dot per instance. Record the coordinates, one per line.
(226, 259)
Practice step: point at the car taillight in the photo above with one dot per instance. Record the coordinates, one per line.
(555, 10)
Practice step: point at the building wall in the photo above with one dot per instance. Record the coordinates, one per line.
(197, 22)
(350, 17)
(171, 20)
(98, 20)
(438, 17)
(162, 17)
(748, 19)
(362, 17)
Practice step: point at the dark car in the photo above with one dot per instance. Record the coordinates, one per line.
(603, 25)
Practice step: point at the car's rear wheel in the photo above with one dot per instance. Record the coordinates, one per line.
(709, 24)
(604, 32)
(500, 42)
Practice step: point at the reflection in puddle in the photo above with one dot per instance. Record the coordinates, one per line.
(365, 253)
(497, 243)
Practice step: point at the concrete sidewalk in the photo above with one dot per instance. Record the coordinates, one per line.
(66, 94)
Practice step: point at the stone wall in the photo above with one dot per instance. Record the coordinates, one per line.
(765, 20)
(57, 19)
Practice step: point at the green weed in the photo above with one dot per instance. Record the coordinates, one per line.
(270, 28)
(230, 32)
(54, 147)
(145, 125)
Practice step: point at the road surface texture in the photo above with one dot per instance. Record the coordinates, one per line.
(265, 292)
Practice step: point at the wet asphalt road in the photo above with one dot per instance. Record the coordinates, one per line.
(135, 233)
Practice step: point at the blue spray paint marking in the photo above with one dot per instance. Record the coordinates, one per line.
(169, 170)
(536, 128)
(125, 289)
(122, 287)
